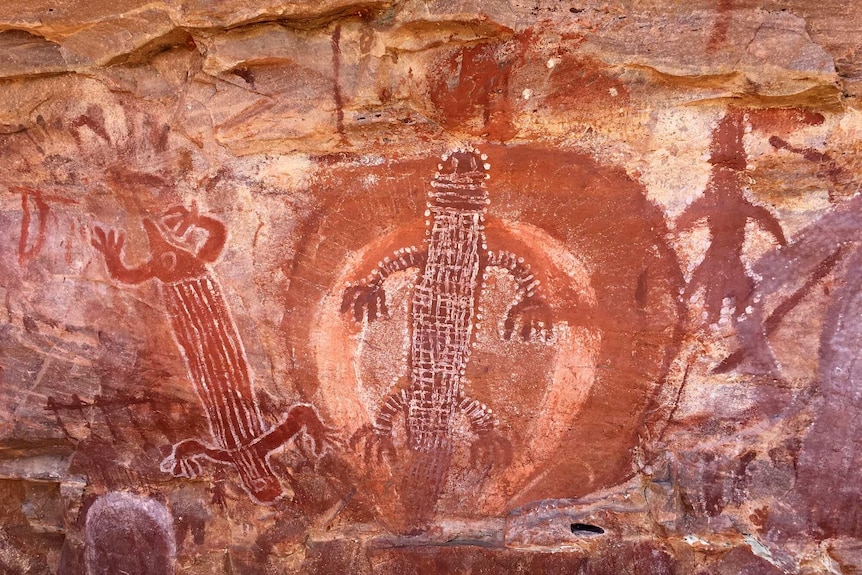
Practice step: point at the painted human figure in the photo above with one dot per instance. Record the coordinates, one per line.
(754, 330)
(722, 273)
(213, 351)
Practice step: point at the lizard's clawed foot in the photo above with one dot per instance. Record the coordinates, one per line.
(373, 440)
(491, 446)
(184, 460)
(321, 438)
(366, 300)
(535, 319)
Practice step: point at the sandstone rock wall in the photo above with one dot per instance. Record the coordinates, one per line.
(430, 286)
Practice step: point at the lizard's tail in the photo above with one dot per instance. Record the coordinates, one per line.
(424, 482)
(257, 476)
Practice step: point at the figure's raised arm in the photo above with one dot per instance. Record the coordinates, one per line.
(766, 220)
(701, 208)
(366, 296)
(111, 246)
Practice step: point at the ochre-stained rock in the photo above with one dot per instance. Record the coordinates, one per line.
(430, 287)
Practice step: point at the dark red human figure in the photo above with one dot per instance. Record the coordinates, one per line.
(754, 330)
(214, 354)
(826, 500)
(722, 273)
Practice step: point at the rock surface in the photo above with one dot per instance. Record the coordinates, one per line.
(428, 287)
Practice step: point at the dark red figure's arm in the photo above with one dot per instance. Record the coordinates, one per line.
(766, 220)
(702, 207)
(111, 246)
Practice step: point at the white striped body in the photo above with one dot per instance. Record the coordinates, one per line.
(218, 368)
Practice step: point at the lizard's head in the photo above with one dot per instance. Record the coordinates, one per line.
(460, 180)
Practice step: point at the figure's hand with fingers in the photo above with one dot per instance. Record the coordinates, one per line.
(532, 318)
(366, 300)
(491, 446)
(110, 244)
(179, 218)
(376, 444)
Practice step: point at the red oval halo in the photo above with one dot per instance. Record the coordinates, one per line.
(551, 207)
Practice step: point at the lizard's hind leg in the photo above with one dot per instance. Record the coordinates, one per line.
(378, 436)
(490, 444)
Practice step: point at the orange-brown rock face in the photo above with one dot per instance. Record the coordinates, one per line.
(430, 287)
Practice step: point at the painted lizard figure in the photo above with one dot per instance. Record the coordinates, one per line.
(214, 354)
(443, 319)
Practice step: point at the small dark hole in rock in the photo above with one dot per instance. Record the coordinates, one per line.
(586, 528)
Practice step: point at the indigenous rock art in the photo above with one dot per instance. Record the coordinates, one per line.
(129, 534)
(24, 252)
(613, 418)
(443, 318)
(214, 354)
(104, 405)
(828, 460)
(31, 247)
(722, 274)
(490, 338)
(830, 168)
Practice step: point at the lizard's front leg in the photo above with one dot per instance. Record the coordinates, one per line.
(301, 419)
(529, 309)
(378, 436)
(184, 460)
(367, 296)
(490, 443)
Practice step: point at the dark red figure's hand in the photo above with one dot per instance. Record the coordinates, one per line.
(110, 244)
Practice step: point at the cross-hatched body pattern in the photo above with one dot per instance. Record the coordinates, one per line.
(442, 316)
(443, 320)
